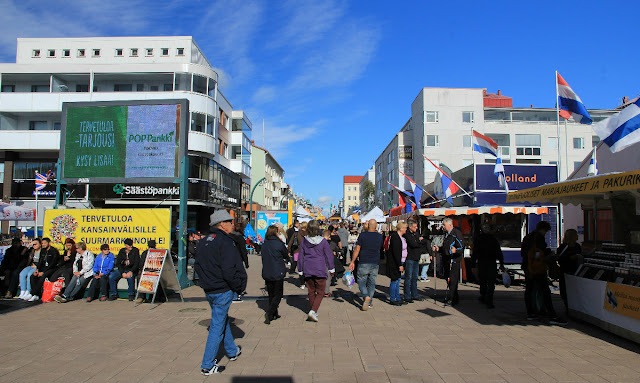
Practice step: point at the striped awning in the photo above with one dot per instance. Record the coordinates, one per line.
(465, 210)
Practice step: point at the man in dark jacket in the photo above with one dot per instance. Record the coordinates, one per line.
(452, 251)
(127, 262)
(12, 264)
(486, 250)
(49, 258)
(416, 246)
(222, 277)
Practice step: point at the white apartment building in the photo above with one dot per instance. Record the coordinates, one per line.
(351, 192)
(51, 71)
(440, 127)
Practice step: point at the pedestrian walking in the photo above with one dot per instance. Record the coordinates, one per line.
(395, 266)
(274, 256)
(313, 261)
(343, 233)
(452, 251)
(486, 250)
(222, 277)
(367, 253)
(294, 248)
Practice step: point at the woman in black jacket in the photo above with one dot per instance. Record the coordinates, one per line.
(274, 256)
(395, 261)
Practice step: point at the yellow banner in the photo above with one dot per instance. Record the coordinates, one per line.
(623, 300)
(111, 226)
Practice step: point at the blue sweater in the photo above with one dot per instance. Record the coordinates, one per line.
(103, 264)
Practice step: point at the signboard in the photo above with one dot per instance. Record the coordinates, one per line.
(405, 152)
(622, 299)
(9, 212)
(111, 226)
(114, 141)
(157, 271)
(406, 167)
(268, 218)
(518, 176)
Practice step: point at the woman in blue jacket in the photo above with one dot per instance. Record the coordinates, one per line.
(102, 266)
(274, 256)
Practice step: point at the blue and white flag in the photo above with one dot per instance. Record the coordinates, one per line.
(622, 129)
(570, 104)
(498, 170)
(593, 164)
(416, 189)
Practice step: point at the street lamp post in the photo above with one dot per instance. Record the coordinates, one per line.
(251, 201)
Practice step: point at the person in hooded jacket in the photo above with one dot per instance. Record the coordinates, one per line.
(314, 259)
(274, 256)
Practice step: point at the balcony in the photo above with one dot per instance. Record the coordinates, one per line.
(201, 142)
(39, 140)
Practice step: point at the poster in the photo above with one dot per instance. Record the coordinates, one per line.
(111, 226)
(151, 271)
(622, 299)
(268, 218)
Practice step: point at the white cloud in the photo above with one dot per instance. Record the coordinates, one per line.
(307, 22)
(264, 94)
(323, 200)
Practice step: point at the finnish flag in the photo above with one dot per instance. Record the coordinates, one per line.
(622, 129)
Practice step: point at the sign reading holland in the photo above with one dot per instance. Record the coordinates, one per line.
(593, 185)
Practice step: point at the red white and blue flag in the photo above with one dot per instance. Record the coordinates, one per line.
(570, 104)
(41, 181)
(417, 190)
(404, 197)
(484, 144)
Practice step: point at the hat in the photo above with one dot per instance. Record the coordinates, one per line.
(220, 216)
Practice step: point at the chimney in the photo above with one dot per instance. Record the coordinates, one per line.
(484, 92)
(499, 92)
(625, 99)
(532, 106)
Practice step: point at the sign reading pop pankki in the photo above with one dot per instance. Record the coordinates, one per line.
(111, 226)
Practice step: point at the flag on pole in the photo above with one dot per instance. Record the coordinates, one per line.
(404, 197)
(593, 164)
(498, 170)
(41, 181)
(484, 144)
(449, 187)
(417, 190)
(622, 129)
(570, 104)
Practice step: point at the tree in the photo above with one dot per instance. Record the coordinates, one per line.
(368, 194)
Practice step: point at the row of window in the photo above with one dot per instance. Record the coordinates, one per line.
(523, 141)
(96, 52)
(433, 117)
(355, 188)
(354, 198)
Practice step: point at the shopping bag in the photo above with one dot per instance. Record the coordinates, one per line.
(425, 259)
(506, 279)
(348, 279)
(51, 289)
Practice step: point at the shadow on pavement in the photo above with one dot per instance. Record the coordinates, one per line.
(262, 379)
(298, 301)
(10, 305)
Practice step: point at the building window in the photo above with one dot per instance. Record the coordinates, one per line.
(96, 53)
(348, 198)
(154, 88)
(119, 52)
(168, 87)
(81, 53)
(578, 143)
(82, 88)
(180, 51)
(595, 140)
(122, 87)
(66, 53)
(198, 122)
(36, 53)
(433, 140)
(149, 51)
(38, 125)
(39, 88)
(528, 144)
(8, 88)
(133, 52)
(467, 117)
(225, 151)
(51, 53)
(431, 117)
(552, 142)
(236, 152)
(56, 126)
(466, 141)
(139, 87)
(348, 188)
(165, 51)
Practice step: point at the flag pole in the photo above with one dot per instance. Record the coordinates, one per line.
(35, 231)
(558, 127)
(451, 178)
(473, 163)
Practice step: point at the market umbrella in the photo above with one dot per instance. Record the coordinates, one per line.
(9, 212)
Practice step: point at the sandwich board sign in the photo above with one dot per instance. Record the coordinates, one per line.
(158, 271)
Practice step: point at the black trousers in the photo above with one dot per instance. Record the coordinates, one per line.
(66, 273)
(11, 281)
(37, 282)
(539, 284)
(454, 278)
(275, 290)
(103, 282)
(487, 273)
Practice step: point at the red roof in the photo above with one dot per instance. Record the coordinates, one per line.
(493, 100)
(353, 179)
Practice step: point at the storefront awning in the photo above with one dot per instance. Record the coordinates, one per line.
(579, 190)
(466, 210)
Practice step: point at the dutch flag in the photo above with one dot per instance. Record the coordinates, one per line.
(622, 129)
(484, 144)
(570, 104)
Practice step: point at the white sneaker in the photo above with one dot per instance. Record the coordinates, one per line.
(27, 296)
(302, 287)
(34, 298)
(313, 316)
(22, 294)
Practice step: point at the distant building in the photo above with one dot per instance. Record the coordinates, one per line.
(370, 176)
(351, 192)
(269, 194)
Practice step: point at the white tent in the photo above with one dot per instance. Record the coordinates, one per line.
(302, 215)
(375, 213)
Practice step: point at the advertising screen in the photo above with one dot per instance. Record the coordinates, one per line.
(118, 141)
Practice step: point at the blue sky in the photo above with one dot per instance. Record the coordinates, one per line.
(334, 80)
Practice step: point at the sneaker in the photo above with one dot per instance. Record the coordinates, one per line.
(89, 299)
(111, 298)
(102, 299)
(238, 299)
(59, 299)
(216, 369)
(370, 306)
(131, 298)
(558, 321)
(313, 316)
(408, 300)
(302, 287)
(366, 304)
(327, 295)
(34, 298)
(22, 294)
(237, 355)
(27, 296)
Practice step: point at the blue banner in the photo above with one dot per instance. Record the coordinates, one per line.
(518, 176)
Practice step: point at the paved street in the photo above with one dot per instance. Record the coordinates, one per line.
(420, 342)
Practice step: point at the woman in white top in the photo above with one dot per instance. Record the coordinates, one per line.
(82, 273)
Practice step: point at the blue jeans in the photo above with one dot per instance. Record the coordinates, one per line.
(367, 274)
(411, 279)
(25, 278)
(219, 329)
(114, 277)
(425, 269)
(394, 291)
(74, 287)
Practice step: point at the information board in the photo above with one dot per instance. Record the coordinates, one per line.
(268, 218)
(158, 271)
(116, 141)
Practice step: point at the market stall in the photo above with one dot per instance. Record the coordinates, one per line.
(606, 288)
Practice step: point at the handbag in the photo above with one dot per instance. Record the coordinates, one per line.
(51, 289)
(425, 259)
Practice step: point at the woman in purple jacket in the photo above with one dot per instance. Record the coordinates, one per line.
(314, 259)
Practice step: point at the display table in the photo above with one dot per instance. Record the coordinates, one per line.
(587, 297)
